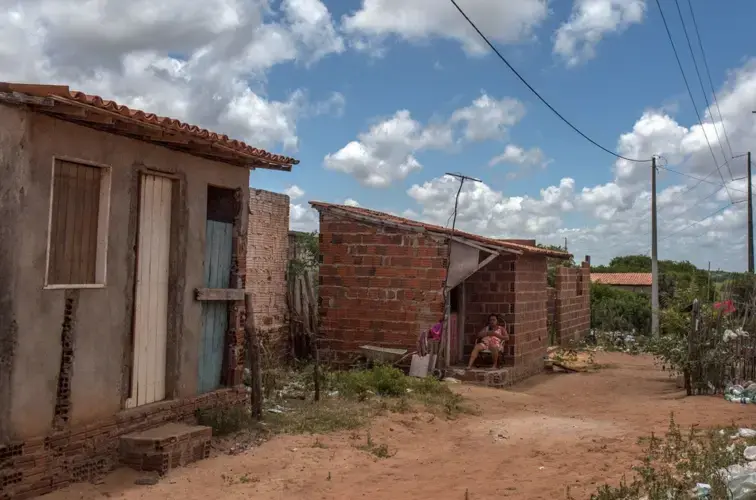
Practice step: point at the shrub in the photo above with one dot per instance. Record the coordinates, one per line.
(614, 309)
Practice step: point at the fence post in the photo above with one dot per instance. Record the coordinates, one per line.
(255, 368)
(688, 373)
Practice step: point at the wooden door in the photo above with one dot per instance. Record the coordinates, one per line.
(218, 254)
(151, 297)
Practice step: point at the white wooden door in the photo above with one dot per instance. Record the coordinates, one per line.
(151, 301)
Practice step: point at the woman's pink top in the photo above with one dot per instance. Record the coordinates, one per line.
(435, 332)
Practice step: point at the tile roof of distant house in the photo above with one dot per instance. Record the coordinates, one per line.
(383, 217)
(96, 112)
(626, 279)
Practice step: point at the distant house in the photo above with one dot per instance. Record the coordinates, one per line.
(123, 252)
(633, 282)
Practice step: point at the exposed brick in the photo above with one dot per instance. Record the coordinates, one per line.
(377, 285)
(267, 261)
(572, 304)
(46, 463)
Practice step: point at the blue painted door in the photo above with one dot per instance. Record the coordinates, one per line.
(214, 313)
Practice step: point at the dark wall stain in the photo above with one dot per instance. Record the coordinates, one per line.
(65, 373)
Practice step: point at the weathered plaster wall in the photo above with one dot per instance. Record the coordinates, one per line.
(102, 323)
(13, 157)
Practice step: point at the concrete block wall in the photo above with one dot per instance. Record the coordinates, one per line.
(377, 285)
(267, 263)
(573, 303)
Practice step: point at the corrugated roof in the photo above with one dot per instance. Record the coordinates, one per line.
(385, 217)
(626, 279)
(96, 112)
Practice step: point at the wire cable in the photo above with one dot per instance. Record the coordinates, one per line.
(717, 212)
(708, 73)
(535, 92)
(703, 90)
(690, 93)
(702, 179)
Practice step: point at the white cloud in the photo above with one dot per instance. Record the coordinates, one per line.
(613, 218)
(420, 20)
(591, 20)
(486, 211)
(525, 159)
(302, 217)
(488, 118)
(351, 202)
(202, 62)
(386, 153)
(294, 192)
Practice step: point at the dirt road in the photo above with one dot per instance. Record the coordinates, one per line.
(553, 431)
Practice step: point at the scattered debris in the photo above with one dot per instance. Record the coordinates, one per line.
(147, 480)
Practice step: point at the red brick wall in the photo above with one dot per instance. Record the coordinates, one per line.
(514, 287)
(377, 285)
(573, 303)
(490, 291)
(530, 328)
(42, 464)
(267, 262)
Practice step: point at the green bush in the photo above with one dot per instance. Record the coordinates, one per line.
(381, 380)
(615, 309)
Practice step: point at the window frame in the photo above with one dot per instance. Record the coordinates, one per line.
(103, 225)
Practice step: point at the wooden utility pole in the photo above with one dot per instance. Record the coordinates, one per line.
(750, 214)
(654, 256)
(445, 335)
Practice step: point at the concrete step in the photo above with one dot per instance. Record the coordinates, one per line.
(166, 447)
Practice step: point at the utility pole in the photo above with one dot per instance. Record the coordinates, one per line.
(750, 214)
(654, 256)
(565, 244)
(446, 337)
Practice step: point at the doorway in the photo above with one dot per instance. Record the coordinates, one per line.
(219, 233)
(150, 336)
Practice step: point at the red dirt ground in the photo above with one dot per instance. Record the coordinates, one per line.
(550, 432)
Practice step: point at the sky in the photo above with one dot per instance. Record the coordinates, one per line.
(379, 99)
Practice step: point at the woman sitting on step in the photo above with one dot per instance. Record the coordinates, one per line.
(492, 338)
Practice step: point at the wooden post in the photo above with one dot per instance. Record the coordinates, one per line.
(688, 373)
(255, 368)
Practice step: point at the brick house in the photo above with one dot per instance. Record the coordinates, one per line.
(123, 252)
(382, 278)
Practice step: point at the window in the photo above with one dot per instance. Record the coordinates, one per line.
(579, 284)
(77, 237)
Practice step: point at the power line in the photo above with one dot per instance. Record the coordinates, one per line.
(535, 92)
(711, 83)
(702, 179)
(690, 93)
(717, 212)
(703, 90)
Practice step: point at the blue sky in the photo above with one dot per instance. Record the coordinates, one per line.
(632, 71)
(308, 77)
